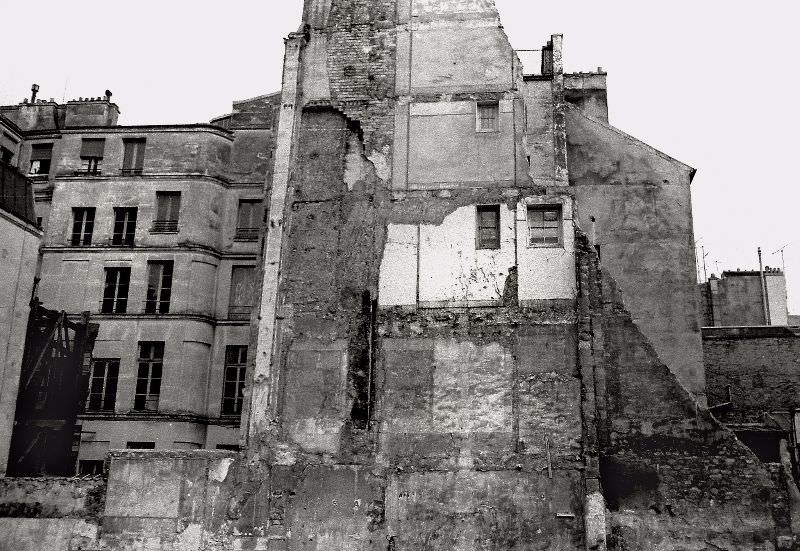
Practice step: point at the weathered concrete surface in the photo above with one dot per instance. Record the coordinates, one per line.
(760, 365)
(673, 477)
(18, 255)
(641, 203)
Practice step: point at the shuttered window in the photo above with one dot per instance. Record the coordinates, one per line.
(242, 292)
(488, 222)
(133, 157)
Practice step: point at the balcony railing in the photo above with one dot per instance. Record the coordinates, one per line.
(239, 313)
(246, 234)
(131, 171)
(88, 172)
(156, 306)
(164, 226)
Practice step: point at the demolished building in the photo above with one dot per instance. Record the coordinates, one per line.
(477, 325)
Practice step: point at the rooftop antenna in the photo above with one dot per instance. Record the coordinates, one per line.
(64, 97)
(705, 254)
(696, 260)
(783, 262)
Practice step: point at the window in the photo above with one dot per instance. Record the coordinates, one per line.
(115, 292)
(124, 226)
(82, 226)
(92, 156)
(159, 287)
(233, 386)
(103, 385)
(488, 117)
(242, 292)
(544, 226)
(488, 235)
(41, 155)
(133, 158)
(6, 155)
(168, 206)
(249, 220)
(229, 447)
(148, 379)
(90, 467)
(133, 445)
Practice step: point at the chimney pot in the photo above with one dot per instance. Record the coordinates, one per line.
(34, 90)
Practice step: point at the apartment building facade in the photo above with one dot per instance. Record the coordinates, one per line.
(154, 230)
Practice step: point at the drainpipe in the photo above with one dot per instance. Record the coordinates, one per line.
(764, 298)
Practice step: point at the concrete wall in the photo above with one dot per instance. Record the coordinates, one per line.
(197, 149)
(762, 368)
(19, 252)
(587, 91)
(672, 476)
(640, 200)
(439, 266)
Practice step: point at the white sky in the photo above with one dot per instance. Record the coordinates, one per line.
(702, 80)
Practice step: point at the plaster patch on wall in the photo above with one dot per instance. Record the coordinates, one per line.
(220, 472)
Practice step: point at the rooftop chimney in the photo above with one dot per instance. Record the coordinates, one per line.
(34, 90)
(108, 95)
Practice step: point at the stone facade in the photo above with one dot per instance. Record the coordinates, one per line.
(215, 169)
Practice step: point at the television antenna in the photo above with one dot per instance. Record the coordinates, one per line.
(783, 262)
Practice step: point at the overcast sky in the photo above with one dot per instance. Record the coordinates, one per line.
(709, 82)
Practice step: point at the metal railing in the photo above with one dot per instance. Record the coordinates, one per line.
(131, 171)
(246, 234)
(239, 313)
(164, 226)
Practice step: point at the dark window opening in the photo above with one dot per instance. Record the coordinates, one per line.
(233, 385)
(148, 379)
(82, 226)
(6, 155)
(124, 226)
(103, 385)
(90, 467)
(362, 359)
(159, 287)
(488, 235)
(41, 157)
(134, 445)
(133, 156)
(229, 447)
(115, 292)
(92, 150)
(544, 226)
(765, 444)
(168, 206)
(242, 292)
(249, 220)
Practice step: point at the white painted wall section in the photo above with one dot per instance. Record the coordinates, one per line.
(441, 266)
(546, 272)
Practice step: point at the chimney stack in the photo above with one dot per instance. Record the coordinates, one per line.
(34, 90)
